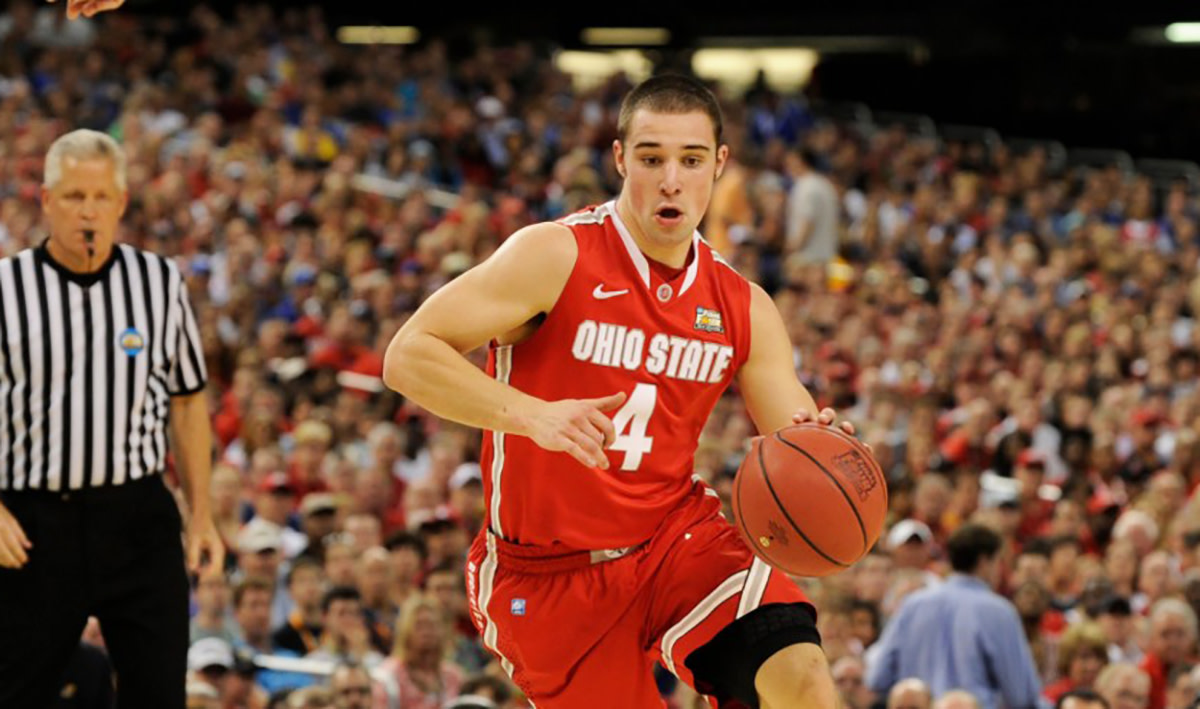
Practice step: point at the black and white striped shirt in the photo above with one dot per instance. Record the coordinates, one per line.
(88, 363)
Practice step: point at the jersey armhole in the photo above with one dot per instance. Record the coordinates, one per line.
(744, 334)
(549, 314)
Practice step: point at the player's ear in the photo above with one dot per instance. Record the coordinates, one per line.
(722, 156)
(619, 157)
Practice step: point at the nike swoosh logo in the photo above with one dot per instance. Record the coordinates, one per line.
(601, 294)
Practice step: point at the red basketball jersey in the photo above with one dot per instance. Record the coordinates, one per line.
(671, 346)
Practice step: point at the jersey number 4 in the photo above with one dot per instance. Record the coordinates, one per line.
(634, 416)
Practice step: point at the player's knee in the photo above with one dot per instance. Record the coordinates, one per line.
(796, 676)
(730, 665)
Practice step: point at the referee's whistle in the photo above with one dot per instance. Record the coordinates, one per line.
(89, 238)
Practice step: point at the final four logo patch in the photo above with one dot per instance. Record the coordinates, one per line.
(132, 342)
(709, 320)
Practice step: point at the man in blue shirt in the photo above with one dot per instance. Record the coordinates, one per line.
(961, 634)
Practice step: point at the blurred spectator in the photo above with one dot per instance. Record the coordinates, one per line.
(311, 441)
(1183, 687)
(446, 586)
(310, 698)
(1081, 699)
(985, 650)
(364, 531)
(848, 678)
(213, 618)
(910, 693)
(1124, 686)
(1116, 619)
(407, 555)
(812, 233)
(485, 688)
(275, 503)
(352, 687)
(318, 520)
(260, 554)
(1172, 642)
(345, 636)
(252, 610)
(417, 674)
(303, 628)
(374, 583)
(1082, 654)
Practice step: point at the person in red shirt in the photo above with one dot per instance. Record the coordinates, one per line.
(612, 334)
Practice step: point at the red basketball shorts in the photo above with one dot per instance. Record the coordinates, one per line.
(577, 630)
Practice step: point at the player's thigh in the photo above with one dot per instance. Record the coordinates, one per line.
(572, 639)
(718, 612)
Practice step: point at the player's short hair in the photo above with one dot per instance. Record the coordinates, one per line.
(969, 544)
(82, 144)
(670, 93)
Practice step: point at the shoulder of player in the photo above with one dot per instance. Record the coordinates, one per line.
(761, 302)
(545, 245)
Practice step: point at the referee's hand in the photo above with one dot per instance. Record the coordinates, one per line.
(13, 542)
(204, 546)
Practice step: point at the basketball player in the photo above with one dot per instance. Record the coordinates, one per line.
(601, 554)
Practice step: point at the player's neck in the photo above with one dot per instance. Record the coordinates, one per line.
(670, 255)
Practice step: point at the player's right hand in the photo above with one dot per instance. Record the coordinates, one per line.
(577, 427)
(13, 542)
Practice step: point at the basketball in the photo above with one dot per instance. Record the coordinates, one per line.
(810, 500)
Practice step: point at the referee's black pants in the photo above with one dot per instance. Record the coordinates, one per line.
(114, 553)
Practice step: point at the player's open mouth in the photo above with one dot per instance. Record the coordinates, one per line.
(668, 216)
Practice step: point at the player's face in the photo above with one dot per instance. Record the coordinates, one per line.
(86, 198)
(669, 162)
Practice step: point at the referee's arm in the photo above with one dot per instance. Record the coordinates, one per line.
(191, 436)
(192, 440)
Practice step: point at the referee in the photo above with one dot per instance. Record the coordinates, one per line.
(99, 350)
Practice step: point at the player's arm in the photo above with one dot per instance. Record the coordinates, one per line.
(425, 360)
(799, 674)
(770, 387)
(773, 393)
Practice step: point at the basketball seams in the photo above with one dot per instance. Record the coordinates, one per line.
(853, 508)
(741, 520)
(762, 464)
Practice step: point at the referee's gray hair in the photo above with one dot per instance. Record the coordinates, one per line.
(82, 144)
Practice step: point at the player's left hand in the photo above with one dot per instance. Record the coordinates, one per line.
(89, 8)
(203, 538)
(825, 418)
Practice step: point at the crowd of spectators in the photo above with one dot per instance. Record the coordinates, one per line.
(1017, 343)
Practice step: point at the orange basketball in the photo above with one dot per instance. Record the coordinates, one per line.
(810, 500)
